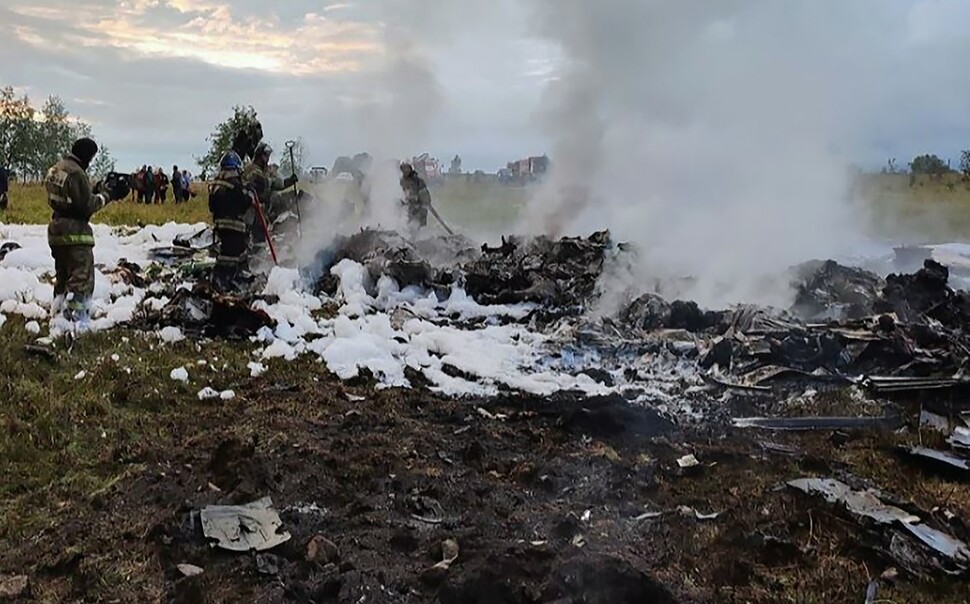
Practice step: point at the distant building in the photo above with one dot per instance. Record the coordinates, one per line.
(525, 170)
(428, 168)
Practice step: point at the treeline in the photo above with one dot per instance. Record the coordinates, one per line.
(932, 165)
(32, 139)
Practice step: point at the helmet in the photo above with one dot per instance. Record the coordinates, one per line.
(345, 177)
(263, 149)
(230, 161)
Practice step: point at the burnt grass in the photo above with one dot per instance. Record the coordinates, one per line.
(102, 476)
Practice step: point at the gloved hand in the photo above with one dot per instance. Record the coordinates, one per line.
(115, 185)
(291, 180)
(100, 188)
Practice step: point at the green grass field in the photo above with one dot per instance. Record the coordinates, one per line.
(928, 211)
(464, 204)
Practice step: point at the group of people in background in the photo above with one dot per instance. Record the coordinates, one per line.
(150, 185)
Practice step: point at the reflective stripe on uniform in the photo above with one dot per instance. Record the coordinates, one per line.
(228, 260)
(56, 240)
(229, 224)
(58, 198)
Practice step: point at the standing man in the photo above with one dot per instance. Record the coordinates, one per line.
(161, 184)
(4, 186)
(176, 184)
(186, 186)
(69, 234)
(149, 185)
(260, 178)
(140, 183)
(417, 198)
(231, 204)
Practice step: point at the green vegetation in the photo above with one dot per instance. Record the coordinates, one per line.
(243, 119)
(28, 205)
(482, 204)
(68, 435)
(32, 139)
(907, 208)
(928, 164)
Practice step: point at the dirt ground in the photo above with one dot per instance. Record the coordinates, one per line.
(545, 499)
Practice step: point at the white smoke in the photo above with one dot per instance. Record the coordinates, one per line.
(714, 134)
(708, 133)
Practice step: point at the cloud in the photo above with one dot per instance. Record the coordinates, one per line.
(208, 31)
(481, 79)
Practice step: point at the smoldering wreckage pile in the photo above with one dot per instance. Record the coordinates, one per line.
(519, 319)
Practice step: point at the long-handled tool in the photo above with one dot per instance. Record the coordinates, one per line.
(437, 217)
(296, 193)
(265, 225)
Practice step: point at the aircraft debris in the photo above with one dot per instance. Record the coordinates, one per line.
(240, 528)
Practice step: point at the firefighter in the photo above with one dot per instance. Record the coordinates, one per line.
(417, 199)
(260, 178)
(69, 234)
(231, 205)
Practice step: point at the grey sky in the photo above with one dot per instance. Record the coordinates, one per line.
(472, 77)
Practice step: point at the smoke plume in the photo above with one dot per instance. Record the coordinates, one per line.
(705, 132)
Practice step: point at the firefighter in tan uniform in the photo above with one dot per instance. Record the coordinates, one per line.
(231, 204)
(258, 177)
(417, 198)
(69, 234)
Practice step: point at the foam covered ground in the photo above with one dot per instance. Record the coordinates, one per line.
(457, 345)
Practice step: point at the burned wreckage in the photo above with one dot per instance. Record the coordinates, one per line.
(904, 332)
(901, 342)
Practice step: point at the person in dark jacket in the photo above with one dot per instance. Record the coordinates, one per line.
(4, 187)
(161, 186)
(231, 202)
(149, 185)
(417, 198)
(176, 181)
(69, 233)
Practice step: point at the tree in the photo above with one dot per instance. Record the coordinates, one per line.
(965, 163)
(55, 133)
(104, 162)
(30, 140)
(220, 140)
(299, 158)
(17, 131)
(928, 164)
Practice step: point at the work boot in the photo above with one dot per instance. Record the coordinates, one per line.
(80, 319)
(222, 280)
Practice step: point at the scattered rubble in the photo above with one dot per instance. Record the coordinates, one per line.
(796, 424)
(931, 551)
(241, 528)
(190, 570)
(14, 588)
(939, 459)
(828, 291)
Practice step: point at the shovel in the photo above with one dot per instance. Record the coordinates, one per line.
(437, 217)
(296, 194)
(265, 226)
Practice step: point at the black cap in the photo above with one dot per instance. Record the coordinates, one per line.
(84, 149)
